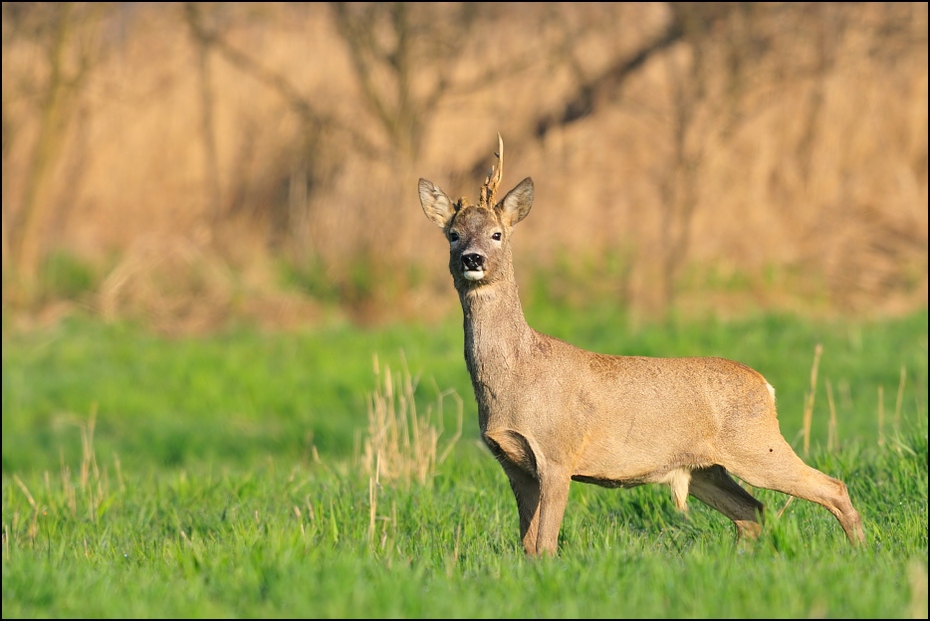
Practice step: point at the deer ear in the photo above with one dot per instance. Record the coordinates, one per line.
(436, 205)
(517, 203)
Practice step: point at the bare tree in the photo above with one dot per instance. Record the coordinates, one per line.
(194, 16)
(393, 43)
(309, 169)
(66, 36)
(688, 93)
(597, 91)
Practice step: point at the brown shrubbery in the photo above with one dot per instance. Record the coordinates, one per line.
(211, 162)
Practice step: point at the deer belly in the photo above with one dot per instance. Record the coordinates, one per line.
(631, 465)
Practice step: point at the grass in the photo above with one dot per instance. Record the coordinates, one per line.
(296, 543)
(225, 477)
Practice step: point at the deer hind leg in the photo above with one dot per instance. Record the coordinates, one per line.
(774, 465)
(716, 489)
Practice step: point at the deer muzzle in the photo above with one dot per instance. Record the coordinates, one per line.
(473, 266)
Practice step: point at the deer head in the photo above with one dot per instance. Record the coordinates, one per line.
(479, 235)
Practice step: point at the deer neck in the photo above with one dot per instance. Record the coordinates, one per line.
(496, 336)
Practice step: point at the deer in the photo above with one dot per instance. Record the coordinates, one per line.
(552, 413)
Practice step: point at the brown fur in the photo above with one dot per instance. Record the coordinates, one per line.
(551, 412)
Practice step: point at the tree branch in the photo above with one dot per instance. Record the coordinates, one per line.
(602, 88)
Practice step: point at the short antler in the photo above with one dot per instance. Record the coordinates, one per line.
(489, 189)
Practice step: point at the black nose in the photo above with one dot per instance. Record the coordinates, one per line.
(473, 261)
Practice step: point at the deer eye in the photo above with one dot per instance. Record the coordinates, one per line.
(496, 236)
(453, 236)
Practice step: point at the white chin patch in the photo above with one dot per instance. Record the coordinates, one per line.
(473, 274)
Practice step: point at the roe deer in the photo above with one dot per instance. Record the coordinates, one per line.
(552, 413)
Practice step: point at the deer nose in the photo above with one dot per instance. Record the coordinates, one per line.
(473, 261)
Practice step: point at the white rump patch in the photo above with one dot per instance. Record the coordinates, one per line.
(771, 390)
(679, 480)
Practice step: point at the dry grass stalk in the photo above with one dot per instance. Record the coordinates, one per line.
(92, 484)
(33, 529)
(402, 444)
(897, 403)
(881, 415)
(373, 484)
(832, 440)
(809, 400)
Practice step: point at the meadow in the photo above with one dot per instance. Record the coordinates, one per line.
(233, 382)
(232, 475)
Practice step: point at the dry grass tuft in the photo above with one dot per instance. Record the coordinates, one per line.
(87, 494)
(401, 444)
(179, 286)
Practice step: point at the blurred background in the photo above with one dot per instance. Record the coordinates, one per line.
(193, 165)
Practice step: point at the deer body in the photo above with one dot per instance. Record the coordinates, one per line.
(552, 413)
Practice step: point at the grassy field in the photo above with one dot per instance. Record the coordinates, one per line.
(225, 476)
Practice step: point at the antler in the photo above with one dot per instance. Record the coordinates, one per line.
(489, 189)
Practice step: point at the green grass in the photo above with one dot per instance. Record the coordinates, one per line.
(200, 493)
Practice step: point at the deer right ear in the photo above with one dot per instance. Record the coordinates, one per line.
(436, 205)
(517, 203)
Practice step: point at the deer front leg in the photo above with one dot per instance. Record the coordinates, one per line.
(541, 489)
(553, 496)
(526, 491)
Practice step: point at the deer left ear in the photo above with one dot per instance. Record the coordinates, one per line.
(436, 205)
(517, 203)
